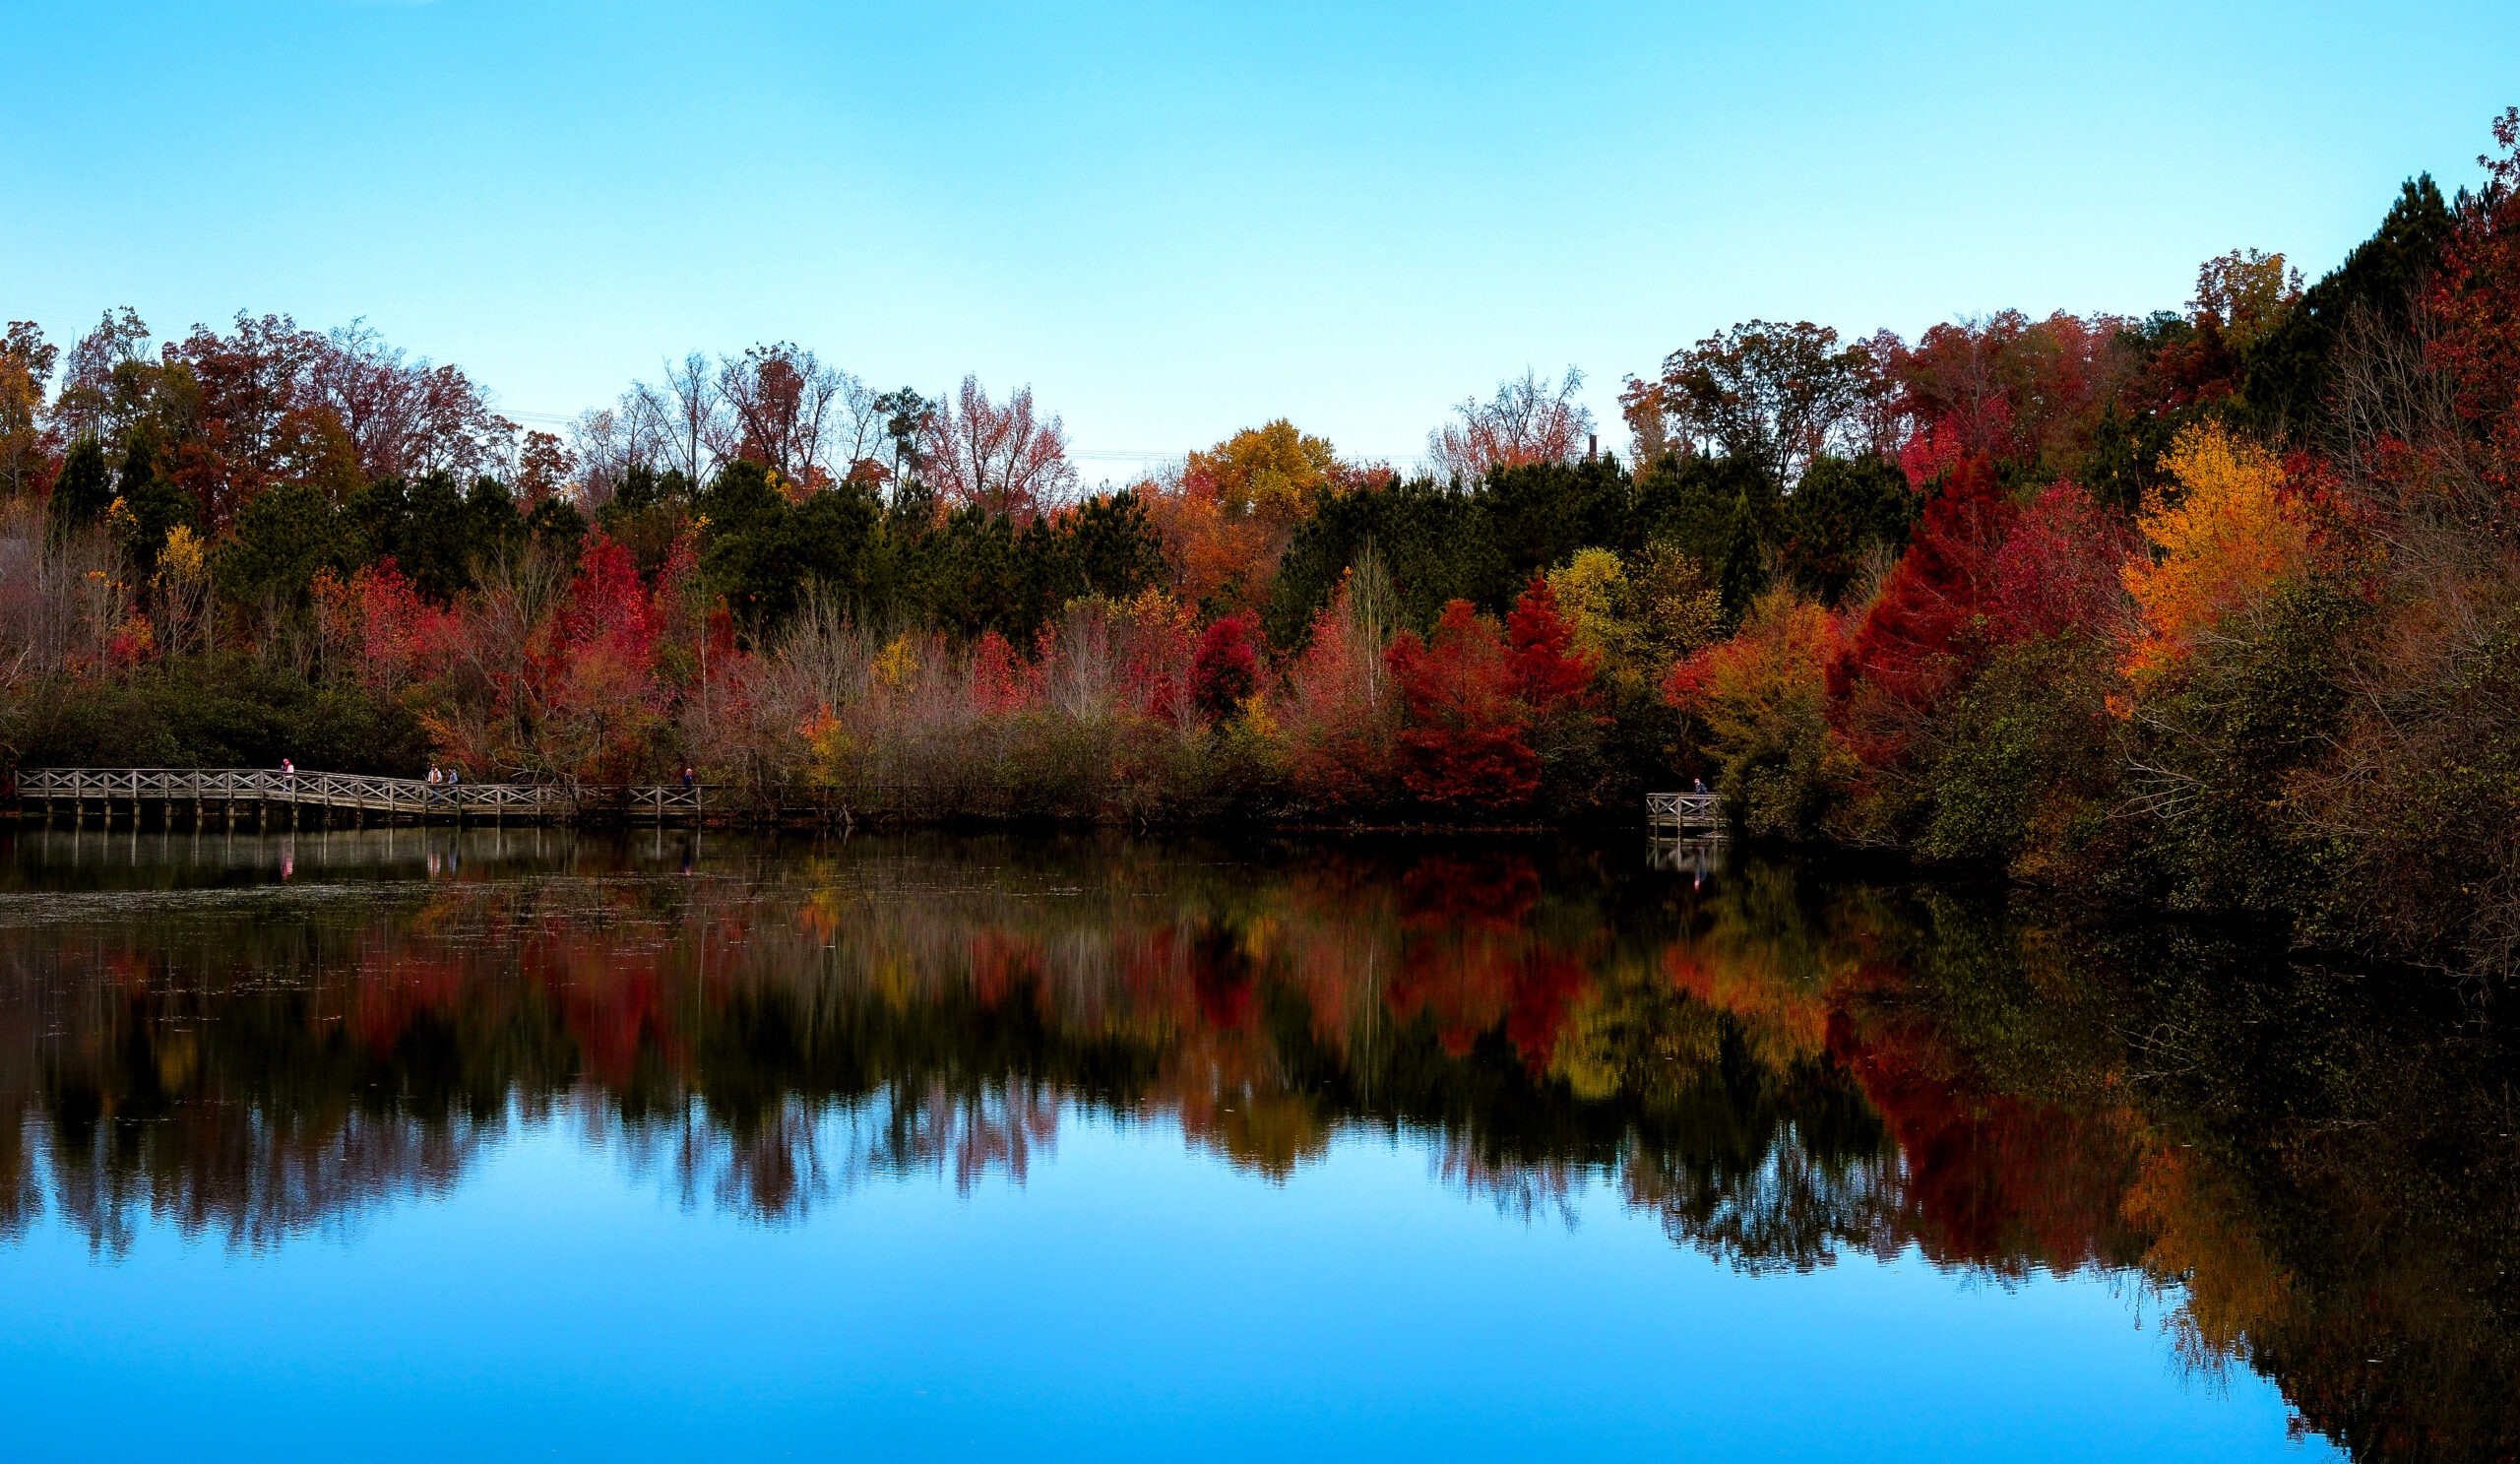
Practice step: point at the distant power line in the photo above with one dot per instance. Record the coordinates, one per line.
(1132, 456)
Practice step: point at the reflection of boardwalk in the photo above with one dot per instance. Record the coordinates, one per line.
(1686, 832)
(203, 795)
(1696, 857)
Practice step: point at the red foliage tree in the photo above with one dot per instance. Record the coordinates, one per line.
(608, 610)
(1549, 672)
(1226, 668)
(2057, 569)
(1466, 934)
(406, 418)
(1989, 1179)
(1472, 961)
(1529, 422)
(1004, 460)
(1934, 621)
(1000, 680)
(269, 403)
(133, 642)
(802, 419)
(2476, 301)
(395, 625)
(1463, 745)
(1337, 718)
(599, 676)
(2006, 387)
(245, 390)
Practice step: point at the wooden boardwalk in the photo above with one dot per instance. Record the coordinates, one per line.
(205, 796)
(1683, 814)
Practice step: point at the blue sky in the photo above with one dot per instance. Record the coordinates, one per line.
(1176, 219)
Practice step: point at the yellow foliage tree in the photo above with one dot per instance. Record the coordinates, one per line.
(833, 757)
(1775, 671)
(1636, 619)
(1225, 517)
(1590, 588)
(2245, 294)
(183, 583)
(2220, 542)
(184, 559)
(1763, 698)
(895, 666)
(1271, 472)
(25, 364)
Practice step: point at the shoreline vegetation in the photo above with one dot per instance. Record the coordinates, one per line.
(2211, 610)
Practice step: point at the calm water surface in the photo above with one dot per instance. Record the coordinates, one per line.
(371, 1145)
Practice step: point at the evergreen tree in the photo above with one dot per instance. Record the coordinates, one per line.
(2291, 371)
(151, 502)
(85, 486)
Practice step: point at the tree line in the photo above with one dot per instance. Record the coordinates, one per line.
(2211, 606)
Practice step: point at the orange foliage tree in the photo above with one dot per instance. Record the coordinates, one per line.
(1227, 516)
(1763, 697)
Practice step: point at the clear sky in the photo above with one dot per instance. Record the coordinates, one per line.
(1176, 219)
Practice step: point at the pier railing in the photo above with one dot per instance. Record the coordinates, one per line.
(203, 789)
(1684, 813)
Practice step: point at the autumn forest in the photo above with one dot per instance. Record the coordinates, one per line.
(2210, 609)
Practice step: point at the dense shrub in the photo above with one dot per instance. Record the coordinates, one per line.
(224, 712)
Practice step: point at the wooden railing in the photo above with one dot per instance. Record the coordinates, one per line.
(1684, 811)
(365, 792)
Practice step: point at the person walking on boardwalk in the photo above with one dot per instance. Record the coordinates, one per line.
(438, 780)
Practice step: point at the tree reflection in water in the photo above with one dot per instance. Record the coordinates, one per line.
(2314, 1173)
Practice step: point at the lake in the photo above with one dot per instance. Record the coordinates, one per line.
(419, 1144)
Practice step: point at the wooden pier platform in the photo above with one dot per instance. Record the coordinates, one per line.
(1683, 814)
(205, 796)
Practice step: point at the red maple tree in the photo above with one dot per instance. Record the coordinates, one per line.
(1226, 668)
(1936, 619)
(1548, 671)
(1463, 745)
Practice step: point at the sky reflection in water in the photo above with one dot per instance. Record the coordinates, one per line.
(1084, 1147)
